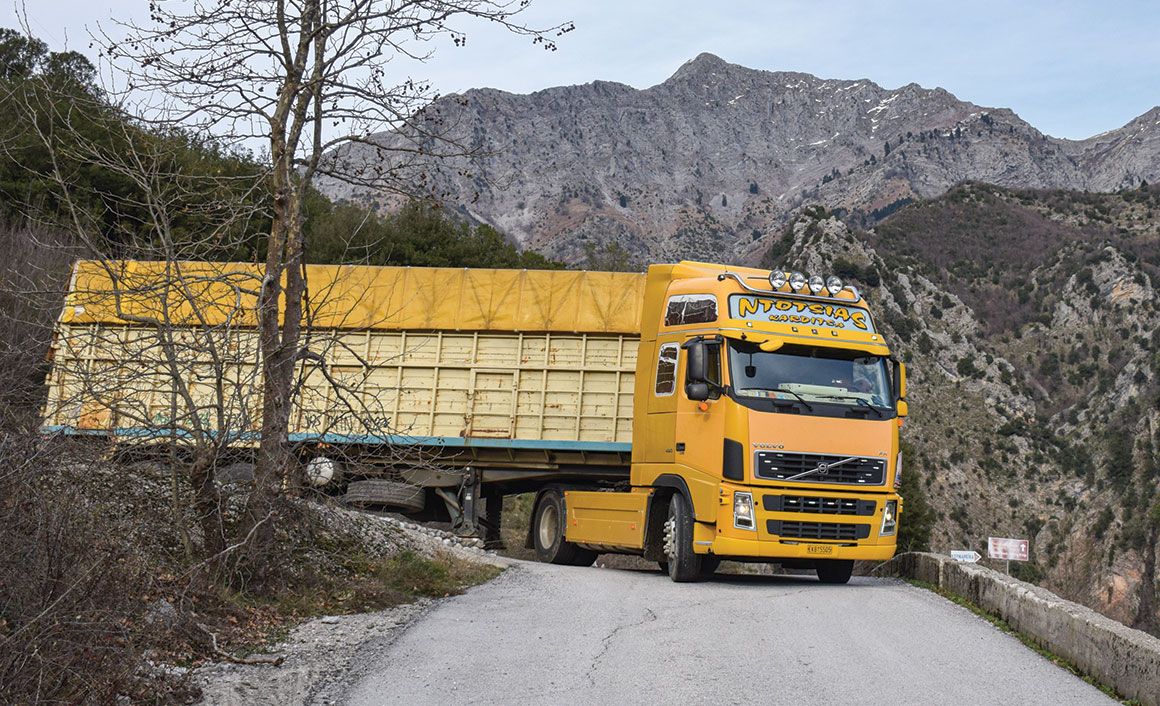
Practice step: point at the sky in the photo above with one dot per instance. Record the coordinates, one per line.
(1072, 69)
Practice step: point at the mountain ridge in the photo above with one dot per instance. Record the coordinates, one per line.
(719, 157)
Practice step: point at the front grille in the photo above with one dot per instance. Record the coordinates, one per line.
(817, 530)
(779, 465)
(827, 506)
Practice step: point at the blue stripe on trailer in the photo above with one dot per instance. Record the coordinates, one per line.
(391, 439)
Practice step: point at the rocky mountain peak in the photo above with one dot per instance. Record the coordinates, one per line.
(713, 162)
(702, 65)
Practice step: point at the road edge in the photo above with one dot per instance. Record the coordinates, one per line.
(1112, 654)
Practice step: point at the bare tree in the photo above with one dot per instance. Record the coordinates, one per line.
(304, 77)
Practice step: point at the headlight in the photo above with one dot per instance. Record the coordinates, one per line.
(889, 518)
(898, 470)
(743, 511)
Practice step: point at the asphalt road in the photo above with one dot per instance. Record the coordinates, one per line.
(563, 635)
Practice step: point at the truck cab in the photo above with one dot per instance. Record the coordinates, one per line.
(766, 421)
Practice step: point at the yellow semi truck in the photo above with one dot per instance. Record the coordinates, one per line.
(688, 415)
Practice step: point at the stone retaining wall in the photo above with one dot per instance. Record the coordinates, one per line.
(1125, 659)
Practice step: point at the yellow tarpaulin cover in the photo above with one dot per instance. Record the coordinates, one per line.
(360, 297)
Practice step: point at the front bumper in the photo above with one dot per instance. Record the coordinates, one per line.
(862, 522)
(802, 549)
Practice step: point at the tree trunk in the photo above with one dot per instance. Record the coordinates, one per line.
(279, 331)
(207, 502)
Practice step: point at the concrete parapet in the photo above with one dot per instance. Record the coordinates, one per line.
(1125, 659)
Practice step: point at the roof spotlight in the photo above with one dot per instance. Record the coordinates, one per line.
(797, 281)
(833, 285)
(777, 279)
(817, 284)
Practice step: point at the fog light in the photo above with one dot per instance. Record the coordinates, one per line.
(834, 285)
(743, 511)
(777, 280)
(797, 281)
(817, 284)
(889, 518)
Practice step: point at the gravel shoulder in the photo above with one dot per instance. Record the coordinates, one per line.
(318, 656)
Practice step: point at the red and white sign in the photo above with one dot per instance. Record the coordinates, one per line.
(1009, 549)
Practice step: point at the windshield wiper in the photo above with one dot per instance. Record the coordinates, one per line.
(809, 408)
(859, 400)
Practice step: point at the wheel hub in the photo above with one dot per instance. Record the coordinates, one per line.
(549, 525)
(671, 537)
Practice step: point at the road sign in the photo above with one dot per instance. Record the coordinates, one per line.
(1009, 549)
(969, 557)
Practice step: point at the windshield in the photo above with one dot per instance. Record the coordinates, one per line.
(810, 374)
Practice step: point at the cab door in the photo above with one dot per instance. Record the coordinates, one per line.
(700, 425)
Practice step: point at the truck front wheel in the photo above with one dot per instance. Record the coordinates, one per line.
(548, 523)
(835, 570)
(683, 564)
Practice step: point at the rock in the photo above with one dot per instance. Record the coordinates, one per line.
(162, 614)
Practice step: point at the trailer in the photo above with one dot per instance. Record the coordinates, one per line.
(693, 413)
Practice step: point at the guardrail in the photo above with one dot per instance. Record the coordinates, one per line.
(1125, 659)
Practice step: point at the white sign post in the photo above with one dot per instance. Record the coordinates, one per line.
(969, 557)
(1008, 549)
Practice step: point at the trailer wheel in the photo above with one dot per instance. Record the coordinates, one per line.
(835, 570)
(684, 565)
(548, 523)
(385, 494)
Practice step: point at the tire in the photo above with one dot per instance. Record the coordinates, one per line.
(684, 565)
(548, 522)
(238, 473)
(381, 494)
(709, 564)
(835, 571)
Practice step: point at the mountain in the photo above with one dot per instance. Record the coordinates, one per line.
(716, 159)
(1029, 322)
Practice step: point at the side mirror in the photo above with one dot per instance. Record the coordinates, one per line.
(900, 387)
(697, 391)
(695, 364)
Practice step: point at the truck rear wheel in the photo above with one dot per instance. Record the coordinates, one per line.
(835, 570)
(385, 495)
(548, 523)
(683, 564)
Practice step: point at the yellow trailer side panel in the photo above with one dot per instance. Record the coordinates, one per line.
(499, 385)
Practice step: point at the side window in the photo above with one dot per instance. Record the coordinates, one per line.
(713, 366)
(667, 369)
(690, 309)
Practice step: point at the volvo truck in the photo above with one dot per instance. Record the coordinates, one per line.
(691, 414)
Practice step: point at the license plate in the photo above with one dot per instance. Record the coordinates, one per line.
(819, 549)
